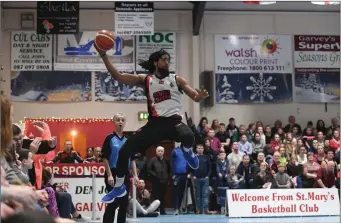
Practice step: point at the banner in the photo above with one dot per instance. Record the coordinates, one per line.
(134, 18)
(54, 17)
(77, 180)
(70, 169)
(76, 52)
(56, 86)
(146, 45)
(317, 69)
(109, 89)
(253, 68)
(30, 51)
(283, 203)
(81, 193)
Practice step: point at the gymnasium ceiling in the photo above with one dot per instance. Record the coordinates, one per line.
(216, 6)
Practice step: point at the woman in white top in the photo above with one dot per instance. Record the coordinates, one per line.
(302, 156)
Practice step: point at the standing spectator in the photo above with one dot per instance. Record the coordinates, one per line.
(222, 167)
(159, 170)
(201, 180)
(179, 175)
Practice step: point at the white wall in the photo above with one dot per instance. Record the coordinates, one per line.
(179, 22)
(262, 24)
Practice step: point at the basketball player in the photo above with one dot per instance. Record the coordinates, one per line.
(163, 91)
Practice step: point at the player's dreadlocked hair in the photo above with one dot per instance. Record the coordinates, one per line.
(149, 64)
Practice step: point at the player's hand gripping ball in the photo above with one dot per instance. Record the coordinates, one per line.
(104, 40)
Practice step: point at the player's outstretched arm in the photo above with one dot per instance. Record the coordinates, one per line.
(129, 79)
(196, 95)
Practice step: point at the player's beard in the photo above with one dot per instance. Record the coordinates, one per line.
(164, 72)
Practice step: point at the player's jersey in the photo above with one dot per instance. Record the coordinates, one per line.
(163, 96)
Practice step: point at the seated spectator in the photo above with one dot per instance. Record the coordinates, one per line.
(262, 179)
(238, 134)
(89, 155)
(215, 125)
(326, 145)
(268, 134)
(290, 149)
(302, 156)
(308, 137)
(201, 127)
(247, 170)
(268, 153)
(320, 156)
(222, 167)
(214, 141)
(283, 156)
(257, 145)
(260, 131)
(310, 171)
(232, 128)
(234, 180)
(98, 155)
(277, 125)
(281, 179)
(244, 146)
(223, 136)
(276, 142)
(68, 155)
(274, 165)
(335, 141)
(235, 157)
(259, 161)
(295, 171)
(144, 206)
(326, 177)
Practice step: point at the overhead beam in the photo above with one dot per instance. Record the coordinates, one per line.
(197, 15)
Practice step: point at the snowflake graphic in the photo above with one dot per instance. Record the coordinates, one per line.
(261, 88)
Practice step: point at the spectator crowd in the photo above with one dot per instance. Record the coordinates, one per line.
(231, 156)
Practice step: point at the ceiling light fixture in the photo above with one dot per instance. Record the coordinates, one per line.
(259, 2)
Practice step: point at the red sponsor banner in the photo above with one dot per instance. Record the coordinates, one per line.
(76, 169)
(316, 43)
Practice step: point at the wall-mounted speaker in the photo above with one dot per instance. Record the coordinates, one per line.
(207, 81)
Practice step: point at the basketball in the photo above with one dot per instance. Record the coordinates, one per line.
(105, 40)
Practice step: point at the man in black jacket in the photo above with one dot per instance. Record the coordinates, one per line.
(159, 170)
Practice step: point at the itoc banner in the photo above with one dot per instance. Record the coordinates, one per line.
(31, 51)
(77, 52)
(253, 68)
(317, 69)
(146, 45)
